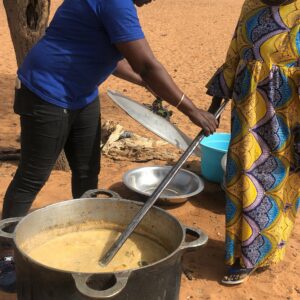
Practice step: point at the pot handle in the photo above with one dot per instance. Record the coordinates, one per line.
(5, 223)
(201, 240)
(96, 192)
(119, 283)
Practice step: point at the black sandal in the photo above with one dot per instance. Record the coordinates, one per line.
(237, 275)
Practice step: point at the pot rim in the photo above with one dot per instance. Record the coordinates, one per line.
(128, 271)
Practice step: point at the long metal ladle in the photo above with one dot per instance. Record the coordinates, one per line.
(109, 255)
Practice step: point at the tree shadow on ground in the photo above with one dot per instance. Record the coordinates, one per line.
(9, 155)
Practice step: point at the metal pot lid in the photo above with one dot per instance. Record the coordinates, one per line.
(156, 124)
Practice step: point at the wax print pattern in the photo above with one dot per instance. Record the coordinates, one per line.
(262, 75)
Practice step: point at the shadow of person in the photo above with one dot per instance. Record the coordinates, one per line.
(207, 262)
(124, 192)
(212, 198)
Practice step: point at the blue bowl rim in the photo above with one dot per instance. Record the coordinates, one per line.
(227, 134)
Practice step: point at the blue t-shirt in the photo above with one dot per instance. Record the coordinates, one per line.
(77, 53)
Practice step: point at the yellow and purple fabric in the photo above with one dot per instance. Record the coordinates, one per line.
(262, 76)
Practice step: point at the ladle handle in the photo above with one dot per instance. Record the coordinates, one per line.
(117, 282)
(96, 192)
(108, 256)
(5, 223)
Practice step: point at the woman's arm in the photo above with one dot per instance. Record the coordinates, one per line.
(124, 71)
(142, 61)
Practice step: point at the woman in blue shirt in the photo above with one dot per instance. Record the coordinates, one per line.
(57, 96)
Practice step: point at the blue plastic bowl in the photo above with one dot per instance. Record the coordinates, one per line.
(213, 149)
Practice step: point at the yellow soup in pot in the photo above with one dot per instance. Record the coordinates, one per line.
(80, 251)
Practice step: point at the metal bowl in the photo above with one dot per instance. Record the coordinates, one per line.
(146, 179)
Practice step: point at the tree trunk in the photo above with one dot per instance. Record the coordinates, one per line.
(27, 21)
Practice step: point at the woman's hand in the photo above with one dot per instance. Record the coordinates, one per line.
(205, 120)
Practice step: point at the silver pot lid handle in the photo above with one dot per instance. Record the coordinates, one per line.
(115, 283)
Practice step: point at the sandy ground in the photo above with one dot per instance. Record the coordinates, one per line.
(190, 38)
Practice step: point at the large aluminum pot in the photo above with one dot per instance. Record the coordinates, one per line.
(157, 281)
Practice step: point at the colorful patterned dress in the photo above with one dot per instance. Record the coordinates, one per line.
(262, 76)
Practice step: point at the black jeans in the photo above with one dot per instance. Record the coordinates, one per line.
(46, 130)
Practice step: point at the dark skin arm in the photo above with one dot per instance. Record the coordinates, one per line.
(142, 61)
(124, 71)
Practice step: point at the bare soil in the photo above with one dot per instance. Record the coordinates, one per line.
(190, 38)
